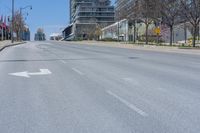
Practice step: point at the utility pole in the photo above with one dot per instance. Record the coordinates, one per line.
(2, 33)
(118, 20)
(21, 25)
(199, 33)
(12, 22)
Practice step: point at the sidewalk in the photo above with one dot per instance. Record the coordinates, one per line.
(138, 47)
(7, 43)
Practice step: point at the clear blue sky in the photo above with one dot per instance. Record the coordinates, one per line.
(50, 15)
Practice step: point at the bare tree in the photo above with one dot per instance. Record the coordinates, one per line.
(98, 32)
(191, 11)
(18, 24)
(169, 11)
(147, 11)
(133, 16)
(121, 12)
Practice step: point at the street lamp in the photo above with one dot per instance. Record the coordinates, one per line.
(118, 21)
(21, 31)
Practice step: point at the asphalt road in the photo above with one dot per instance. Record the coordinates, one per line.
(91, 89)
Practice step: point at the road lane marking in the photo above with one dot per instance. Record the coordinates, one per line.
(197, 63)
(161, 89)
(63, 61)
(77, 71)
(131, 106)
(131, 81)
(28, 74)
(128, 79)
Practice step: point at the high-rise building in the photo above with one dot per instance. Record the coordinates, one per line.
(86, 15)
(124, 9)
(124, 26)
(40, 35)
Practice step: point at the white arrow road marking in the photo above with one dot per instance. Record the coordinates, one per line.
(27, 74)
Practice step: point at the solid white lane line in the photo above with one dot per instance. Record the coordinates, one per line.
(77, 71)
(131, 106)
(63, 61)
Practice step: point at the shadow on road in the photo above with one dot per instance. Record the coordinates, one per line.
(48, 60)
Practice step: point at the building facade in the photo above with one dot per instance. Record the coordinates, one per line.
(4, 32)
(39, 36)
(126, 32)
(123, 17)
(123, 9)
(56, 36)
(118, 28)
(25, 34)
(129, 27)
(86, 16)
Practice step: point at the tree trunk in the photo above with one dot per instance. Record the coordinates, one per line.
(134, 37)
(185, 33)
(198, 32)
(147, 39)
(171, 35)
(17, 35)
(194, 35)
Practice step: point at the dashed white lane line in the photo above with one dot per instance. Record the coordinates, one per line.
(161, 89)
(131, 81)
(127, 79)
(131, 106)
(77, 71)
(63, 61)
(197, 63)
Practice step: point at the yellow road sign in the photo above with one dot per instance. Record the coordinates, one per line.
(157, 30)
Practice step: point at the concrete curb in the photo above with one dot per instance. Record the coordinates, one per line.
(10, 45)
(165, 49)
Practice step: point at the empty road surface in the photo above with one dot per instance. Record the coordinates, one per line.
(49, 87)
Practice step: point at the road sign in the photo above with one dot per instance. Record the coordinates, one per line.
(157, 30)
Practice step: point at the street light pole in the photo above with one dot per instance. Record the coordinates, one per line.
(199, 33)
(118, 30)
(21, 26)
(134, 37)
(12, 22)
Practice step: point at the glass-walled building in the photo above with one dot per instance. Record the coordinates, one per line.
(86, 15)
(124, 9)
(119, 30)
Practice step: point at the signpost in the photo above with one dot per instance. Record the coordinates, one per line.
(157, 30)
